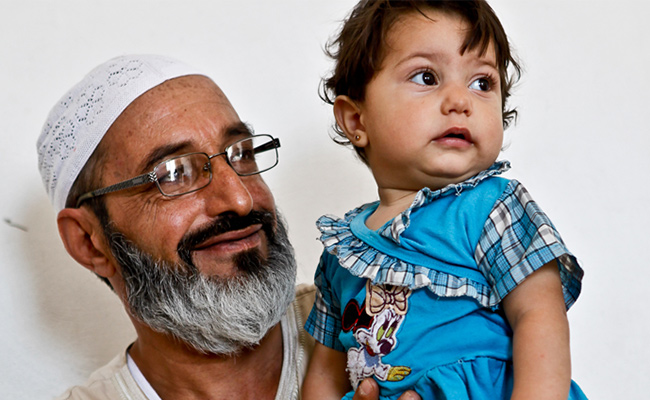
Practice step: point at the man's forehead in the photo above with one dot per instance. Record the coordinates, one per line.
(182, 114)
(197, 84)
(174, 102)
(184, 91)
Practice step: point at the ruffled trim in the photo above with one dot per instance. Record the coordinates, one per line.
(394, 228)
(364, 261)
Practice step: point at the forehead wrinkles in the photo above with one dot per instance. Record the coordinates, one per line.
(178, 94)
(173, 98)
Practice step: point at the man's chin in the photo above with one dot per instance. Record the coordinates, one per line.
(210, 267)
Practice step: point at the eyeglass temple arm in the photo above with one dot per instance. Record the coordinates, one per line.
(133, 182)
(273, 144)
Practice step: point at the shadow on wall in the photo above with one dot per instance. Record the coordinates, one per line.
(76, 313)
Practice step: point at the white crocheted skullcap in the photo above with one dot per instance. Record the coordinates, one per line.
(79, 121)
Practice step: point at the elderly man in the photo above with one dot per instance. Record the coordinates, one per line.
(204, 269)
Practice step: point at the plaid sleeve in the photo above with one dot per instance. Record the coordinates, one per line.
(324, 321)
(517, 239)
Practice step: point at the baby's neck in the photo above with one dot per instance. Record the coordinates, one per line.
(389, 207)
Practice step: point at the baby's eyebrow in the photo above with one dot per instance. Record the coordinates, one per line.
(432, 56)
(480, 60)
(487, 61)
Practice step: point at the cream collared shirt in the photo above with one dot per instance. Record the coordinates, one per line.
(116, 381)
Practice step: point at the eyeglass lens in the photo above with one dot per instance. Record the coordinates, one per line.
(192, 172)
(183, 174)
(251, 156)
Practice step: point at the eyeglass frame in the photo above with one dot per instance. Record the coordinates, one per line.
(150, 177)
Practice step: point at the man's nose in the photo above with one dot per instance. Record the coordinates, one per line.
(227, 192)
(456, 99)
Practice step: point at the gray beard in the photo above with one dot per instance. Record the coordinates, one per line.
(212, 314)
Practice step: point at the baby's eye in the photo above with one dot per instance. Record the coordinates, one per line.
(482, 84)
(426, 78)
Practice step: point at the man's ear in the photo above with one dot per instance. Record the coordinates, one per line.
(348, 117)
(83, 238)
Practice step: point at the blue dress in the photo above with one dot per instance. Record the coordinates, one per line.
(415, 304)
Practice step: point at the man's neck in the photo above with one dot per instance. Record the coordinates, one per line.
(176, 371)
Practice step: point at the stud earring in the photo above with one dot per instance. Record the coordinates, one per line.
(357, 137)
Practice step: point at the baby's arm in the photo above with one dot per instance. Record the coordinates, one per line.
(326, 377)
(541, 358)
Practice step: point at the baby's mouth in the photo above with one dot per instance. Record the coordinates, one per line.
(457, 133)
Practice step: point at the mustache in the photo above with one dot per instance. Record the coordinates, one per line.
(225, 223)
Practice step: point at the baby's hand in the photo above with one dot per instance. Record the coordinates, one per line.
(368, 390)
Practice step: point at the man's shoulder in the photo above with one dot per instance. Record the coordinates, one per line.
(305, 294)
(110, 382)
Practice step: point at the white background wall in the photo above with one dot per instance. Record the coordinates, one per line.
(581, 148)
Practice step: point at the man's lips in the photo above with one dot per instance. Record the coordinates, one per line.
(230, 237)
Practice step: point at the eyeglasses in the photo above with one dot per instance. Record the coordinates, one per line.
(191, 172)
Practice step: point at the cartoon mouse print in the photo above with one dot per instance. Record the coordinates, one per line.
(375, 325)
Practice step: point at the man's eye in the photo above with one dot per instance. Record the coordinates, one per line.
(173, 172)
(482, 84)
(244, 155)
(425, 78)
(172, 175)
(248, 154)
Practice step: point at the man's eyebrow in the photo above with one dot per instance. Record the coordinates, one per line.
(238, 129)
(161, 153)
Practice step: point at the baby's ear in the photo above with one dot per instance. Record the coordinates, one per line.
(348, 118)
